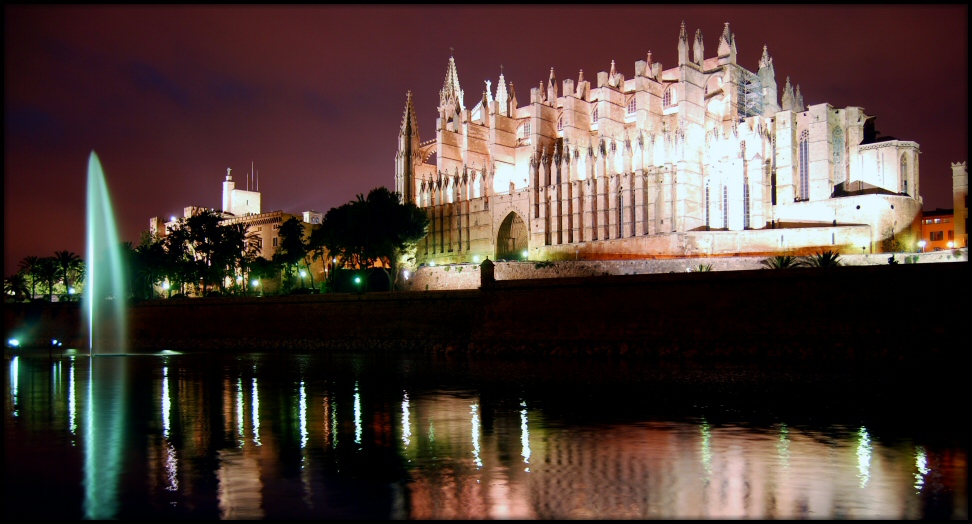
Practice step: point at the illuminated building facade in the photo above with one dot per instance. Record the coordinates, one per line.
(960, 201)
(938, 229)
(704, 158)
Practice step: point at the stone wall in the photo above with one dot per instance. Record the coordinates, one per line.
(842, 312)
(466, 276)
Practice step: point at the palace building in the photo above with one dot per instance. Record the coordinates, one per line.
(701, 159)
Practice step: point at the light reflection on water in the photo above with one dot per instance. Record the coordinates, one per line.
(167, 437)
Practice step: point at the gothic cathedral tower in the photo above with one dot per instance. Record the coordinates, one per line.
(408, 156)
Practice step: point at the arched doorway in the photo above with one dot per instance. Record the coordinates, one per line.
(511, 239)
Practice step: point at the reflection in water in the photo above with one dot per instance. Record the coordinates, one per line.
(255, 406)
(475, 435)
(105, 438)
(357, 416)
(863, 456)
(406, 425)
(14, 384)
(524, 436)
(921, 462)
(198, 458)
(72, 403)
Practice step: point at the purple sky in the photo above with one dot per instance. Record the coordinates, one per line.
(169, 97)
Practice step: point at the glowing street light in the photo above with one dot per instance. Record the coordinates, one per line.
(526, 253)
(921, 245)
(951, 245)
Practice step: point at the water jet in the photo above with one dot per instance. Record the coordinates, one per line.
(106, 294)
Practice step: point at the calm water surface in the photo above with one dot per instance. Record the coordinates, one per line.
(424, 437)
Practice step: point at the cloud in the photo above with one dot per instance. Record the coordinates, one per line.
(147, 77)
(33, 126)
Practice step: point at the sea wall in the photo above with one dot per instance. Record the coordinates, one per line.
(872, 311)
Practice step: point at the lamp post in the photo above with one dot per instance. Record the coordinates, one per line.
(302, 275)
(921, 246)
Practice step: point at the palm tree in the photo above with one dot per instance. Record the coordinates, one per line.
(16, 286)
(49, 271)
(824, 259)
(781, 262)
(31, 267)
(67, 261)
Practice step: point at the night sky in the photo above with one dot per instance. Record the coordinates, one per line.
(169, 97)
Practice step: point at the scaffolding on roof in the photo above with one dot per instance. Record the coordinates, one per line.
(750, 98)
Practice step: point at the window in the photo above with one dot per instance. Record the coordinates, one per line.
(904, 174)
(670, 98)
(707, 204)
(632, 105)
(725, 207)
(838, 156)
(935, 236)
(594, 116)
(746, 203)
(260, 243)
(525, 130)
(951, 234)
(560, 124)
(804, 193)
(274, 241)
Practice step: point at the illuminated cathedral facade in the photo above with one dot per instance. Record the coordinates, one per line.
(706, 158)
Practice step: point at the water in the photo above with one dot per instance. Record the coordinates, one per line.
(105, 290)
(280, 436)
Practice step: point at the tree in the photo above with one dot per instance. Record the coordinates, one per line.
(67, 262)
(148, 266)
(377, 228)
(30, 266)
(292, 249)
(15, 286)
(48, 272)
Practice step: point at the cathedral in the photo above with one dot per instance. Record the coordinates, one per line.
(706, 158)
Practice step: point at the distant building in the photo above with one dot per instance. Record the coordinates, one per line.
(960, 200)
(704, 158)
(938, 229)
(243, 207)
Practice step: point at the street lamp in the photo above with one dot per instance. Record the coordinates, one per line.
(921, 245)
(302, 275)
(951, 245)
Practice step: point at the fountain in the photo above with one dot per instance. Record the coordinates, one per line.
(105, 294)
(104, 308)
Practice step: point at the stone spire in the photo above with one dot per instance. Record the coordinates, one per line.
(409, 122)
(787, 96)
(408, 153)
(767, 79)
(724, 41)
(552, 88)
(450, 87)
(502, 99)
(698, 49)
(765, 61)
(682, 45)
(798, 100)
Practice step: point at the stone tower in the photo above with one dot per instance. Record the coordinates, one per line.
(408, 153)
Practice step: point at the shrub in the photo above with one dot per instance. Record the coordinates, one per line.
(823, 259)
(780, 262)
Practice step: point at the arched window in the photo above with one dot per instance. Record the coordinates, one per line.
(838, 156)
(632, 105)
(804, 193)
(904, 174)
(595, 116)
(560, 124)
(670, 98)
